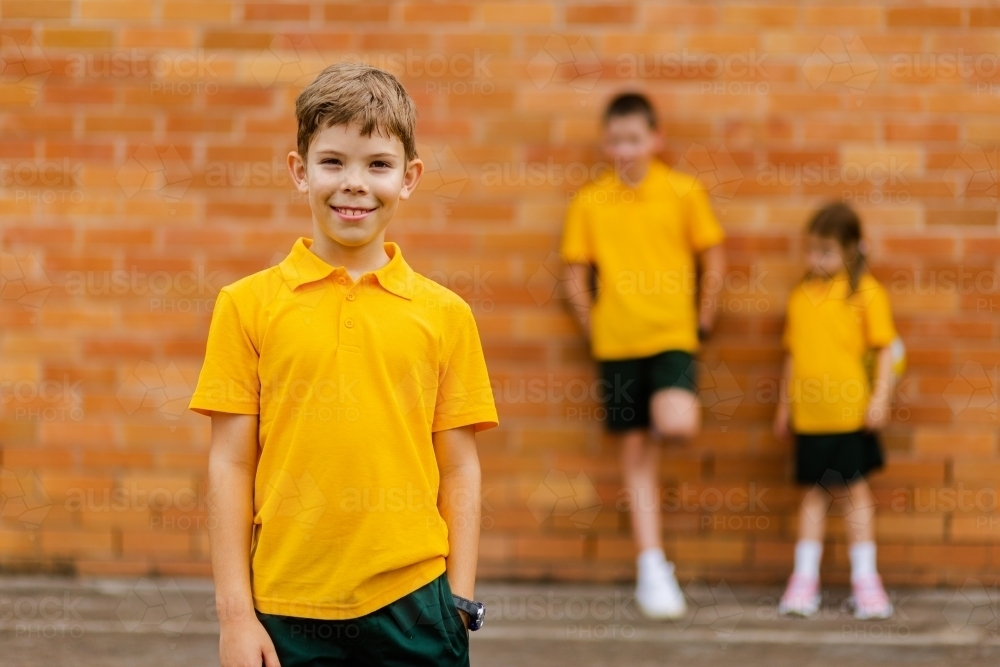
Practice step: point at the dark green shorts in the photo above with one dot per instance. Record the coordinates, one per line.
(629, 384)
(422, 628)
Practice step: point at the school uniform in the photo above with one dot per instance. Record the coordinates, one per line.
(643, 243)
(349, 380)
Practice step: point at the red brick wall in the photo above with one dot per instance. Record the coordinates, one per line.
(142, 149)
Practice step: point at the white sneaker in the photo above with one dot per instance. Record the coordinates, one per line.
(657, 594)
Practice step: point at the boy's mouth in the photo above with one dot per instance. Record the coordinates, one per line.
(351, 213)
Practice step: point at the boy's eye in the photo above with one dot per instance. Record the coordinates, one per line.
(330, 160)
(381, 164)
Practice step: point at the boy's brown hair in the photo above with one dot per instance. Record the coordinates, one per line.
(348, 92)
(627, 104)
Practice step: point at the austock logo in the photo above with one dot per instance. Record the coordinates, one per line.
(25, 66)
(972, 606)
(558, 495)
(163, 389)
(547, 281)
(840, 62)
(444, 174)
(288, 61)
(716, 171)
(718, 389)
(973, 388)
(300, 499)
(713, 607)
(153, 607)
(23, 498)
(22, 281)
(974, 173)
(153, 169)
(561, 63)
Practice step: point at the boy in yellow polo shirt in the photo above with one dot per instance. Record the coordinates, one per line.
(644, 229)
(345, 390)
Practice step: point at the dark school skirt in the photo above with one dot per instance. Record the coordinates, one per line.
(836, 459)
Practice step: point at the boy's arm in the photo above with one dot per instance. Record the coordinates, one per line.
(459, 503)
(576, 279)
(877, 414)
(232, 465)
(782, 424)
(712, 265)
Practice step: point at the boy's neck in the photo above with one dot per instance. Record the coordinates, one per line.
(634, 176)
(356, 260)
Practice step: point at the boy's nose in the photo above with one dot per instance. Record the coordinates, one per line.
(353, 182)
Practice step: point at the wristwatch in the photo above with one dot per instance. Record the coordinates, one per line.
(475, 610)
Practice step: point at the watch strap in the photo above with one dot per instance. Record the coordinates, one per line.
(473, 609)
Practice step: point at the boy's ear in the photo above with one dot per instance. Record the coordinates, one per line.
(297, 168)
(411, 177)
(657, 140)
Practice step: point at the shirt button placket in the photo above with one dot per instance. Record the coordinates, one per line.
(349, 316)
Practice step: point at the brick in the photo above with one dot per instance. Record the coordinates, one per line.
(517, 13)
(116, 9)
(32, 9)
(599, 13)
(924, 16)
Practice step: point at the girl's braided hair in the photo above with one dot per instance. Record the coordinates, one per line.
(838, 221)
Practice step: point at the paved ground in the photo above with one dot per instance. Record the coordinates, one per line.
(47, 621)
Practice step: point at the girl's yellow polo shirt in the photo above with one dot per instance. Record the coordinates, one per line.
(827, 334)
(349, 381)
(643, 242)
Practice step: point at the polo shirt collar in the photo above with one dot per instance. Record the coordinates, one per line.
(656, 171)
(303, 266)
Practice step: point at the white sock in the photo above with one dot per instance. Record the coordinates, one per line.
(808, 554)
(649, 561)
(862, 556)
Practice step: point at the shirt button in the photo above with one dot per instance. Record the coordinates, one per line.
(350, 297)
(342, 281)
(349, 323)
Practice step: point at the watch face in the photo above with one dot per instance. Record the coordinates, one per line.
(480, 617)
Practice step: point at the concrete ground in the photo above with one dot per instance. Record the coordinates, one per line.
(46, 621)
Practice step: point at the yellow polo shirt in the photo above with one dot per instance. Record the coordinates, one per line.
(643, 243)
(349, 380)
(827, 334)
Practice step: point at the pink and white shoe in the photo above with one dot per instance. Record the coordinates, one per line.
(869, 599)
(801, 598)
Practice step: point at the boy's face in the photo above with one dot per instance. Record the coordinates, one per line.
(824, 256)
(354, 182)
(629, 143)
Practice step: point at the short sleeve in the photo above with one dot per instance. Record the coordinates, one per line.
(879, 328)
(704, 230)
(576, 246)
(786, 332)
(229, 381)
(464, 393)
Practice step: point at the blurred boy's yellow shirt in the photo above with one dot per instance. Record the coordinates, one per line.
(827, 335)
(349, 381)
(643, 241)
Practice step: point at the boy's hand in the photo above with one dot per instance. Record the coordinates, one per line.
(245, 643)
(877, 415)
(780, 428)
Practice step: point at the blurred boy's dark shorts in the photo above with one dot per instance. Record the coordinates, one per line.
(422, 628)
(629, 384)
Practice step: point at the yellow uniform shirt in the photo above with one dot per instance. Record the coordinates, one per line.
(643, 242)
(349, 381)
(827, 335)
